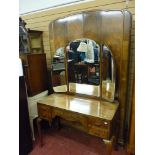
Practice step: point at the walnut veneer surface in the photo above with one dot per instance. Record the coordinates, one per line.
(98, 117)
(96, 108)
(93, 116)
(110, 28)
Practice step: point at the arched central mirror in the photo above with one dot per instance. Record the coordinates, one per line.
(84, 67)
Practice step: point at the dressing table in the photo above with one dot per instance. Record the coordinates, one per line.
(93, 107)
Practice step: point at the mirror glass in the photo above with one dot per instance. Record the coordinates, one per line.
(108, 74)
(84, 67)
(58, 71)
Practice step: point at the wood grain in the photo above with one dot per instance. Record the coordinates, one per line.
(111, 28)
(41, 20)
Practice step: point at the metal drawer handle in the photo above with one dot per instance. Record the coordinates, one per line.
(105, 123)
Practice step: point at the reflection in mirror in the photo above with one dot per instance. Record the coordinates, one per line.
(108, 74)
(83, 67)
(58, 71)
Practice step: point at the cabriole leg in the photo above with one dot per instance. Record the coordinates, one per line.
(109, 145)
(39, 131)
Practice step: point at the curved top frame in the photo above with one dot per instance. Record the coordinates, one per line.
(111, 28)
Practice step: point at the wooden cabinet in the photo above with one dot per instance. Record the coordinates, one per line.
(35, 72)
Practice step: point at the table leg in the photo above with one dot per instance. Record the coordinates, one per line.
(32, 128)
(39, 131)
(109, 145)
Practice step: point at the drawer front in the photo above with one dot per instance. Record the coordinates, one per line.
(56, 112)
(98, 131)
(98, 122)
(74, 117)
(69, 116)
(44, 112)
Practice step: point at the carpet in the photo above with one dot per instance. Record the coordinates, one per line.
(69, 141)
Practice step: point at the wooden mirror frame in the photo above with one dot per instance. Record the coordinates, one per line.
(104, 27)
(113, 72)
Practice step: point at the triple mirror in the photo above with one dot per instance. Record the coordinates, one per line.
(84, 67)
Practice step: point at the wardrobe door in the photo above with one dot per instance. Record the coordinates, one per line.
(25, 139)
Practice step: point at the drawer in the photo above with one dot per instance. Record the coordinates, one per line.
(98, 131)
(75, 117)
(57, 112)
(98, 122)
(44, 112)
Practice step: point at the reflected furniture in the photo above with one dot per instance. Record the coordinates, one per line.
(90, 38)
(57, 68)
(81, 72)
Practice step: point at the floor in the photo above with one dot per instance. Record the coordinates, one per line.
(69, 141)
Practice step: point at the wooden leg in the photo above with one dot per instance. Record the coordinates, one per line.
(39, 131)
(116, 140)
(109, 145)
(32, 128)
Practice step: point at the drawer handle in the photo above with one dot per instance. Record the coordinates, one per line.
(105, 123)
(100, 124)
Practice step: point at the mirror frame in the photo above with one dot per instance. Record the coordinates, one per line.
(65, 73)
(120, 51)
(113, 68)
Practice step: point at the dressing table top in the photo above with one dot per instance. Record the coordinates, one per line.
(86, 106)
